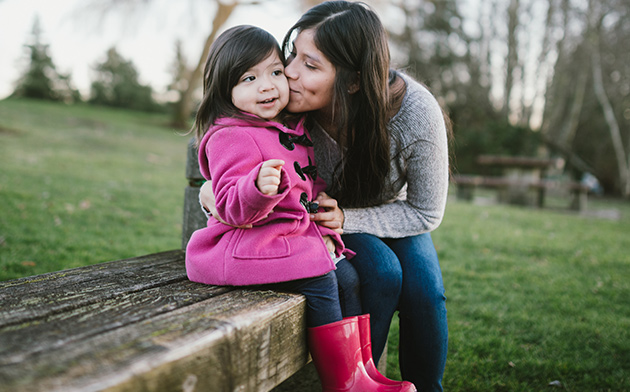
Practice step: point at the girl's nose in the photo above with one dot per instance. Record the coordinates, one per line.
(266, 85)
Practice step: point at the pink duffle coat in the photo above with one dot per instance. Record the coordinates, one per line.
(283, 244)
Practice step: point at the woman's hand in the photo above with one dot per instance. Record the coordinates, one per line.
(332, 217)
(206, 198)
(330, 244)
(208, 202)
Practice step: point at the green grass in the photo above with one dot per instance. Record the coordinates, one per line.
(534, 296)
(81, 185)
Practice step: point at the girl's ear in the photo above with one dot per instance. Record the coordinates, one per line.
(354, 86)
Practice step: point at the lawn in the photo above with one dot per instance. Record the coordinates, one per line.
(537, 299)
(81, 185)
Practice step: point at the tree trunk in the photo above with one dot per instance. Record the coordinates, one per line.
(184, 106)
(512, 54)
(541, 72)
(569, 127)
(623, 161)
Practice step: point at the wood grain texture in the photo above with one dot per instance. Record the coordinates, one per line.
(140, 325)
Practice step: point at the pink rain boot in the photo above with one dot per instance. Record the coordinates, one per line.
(336, 352)
(368, 361)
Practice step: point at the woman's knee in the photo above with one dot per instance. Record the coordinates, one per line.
(376, 264)
(347, 276)
(422, 284)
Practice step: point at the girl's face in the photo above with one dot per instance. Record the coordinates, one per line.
(262, 90)
(311, 76)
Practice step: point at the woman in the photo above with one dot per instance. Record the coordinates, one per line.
(380, 143)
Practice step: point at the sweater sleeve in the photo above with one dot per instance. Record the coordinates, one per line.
(235, 160)
(421, 159)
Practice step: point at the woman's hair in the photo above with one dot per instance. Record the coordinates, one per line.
(353, 39)
(234, 52)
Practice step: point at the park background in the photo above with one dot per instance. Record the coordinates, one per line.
(98, 96)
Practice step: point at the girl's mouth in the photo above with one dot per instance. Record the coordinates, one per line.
(270, 100)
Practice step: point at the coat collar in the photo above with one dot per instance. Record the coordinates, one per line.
(295, 127)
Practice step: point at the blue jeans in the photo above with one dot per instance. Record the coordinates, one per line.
(349, 289)
(328, 297)
(404, 274)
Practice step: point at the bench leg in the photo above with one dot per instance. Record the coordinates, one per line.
(541, 198)
(465, 192)
(579, 200)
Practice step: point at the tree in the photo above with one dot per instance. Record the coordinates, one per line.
(117, 85)
(188, 80)
(185, 104)
(181, 75)
(621, 153)
(455, 65)
(41, 79)
(586, 117)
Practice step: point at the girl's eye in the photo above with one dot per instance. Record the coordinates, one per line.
(277, 72)
(249, 78)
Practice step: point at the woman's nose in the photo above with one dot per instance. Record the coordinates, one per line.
(289, 71)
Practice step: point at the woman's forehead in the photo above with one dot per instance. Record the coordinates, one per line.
(304, 43)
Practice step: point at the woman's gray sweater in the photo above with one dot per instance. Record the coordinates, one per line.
(415, 195)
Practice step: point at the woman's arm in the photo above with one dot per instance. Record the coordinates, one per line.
(420, 159)
(420, 162)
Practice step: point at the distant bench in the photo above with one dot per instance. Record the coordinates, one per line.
(140, 325)
(527, 190)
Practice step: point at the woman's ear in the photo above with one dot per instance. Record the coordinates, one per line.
(354, 86)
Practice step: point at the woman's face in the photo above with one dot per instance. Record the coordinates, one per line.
(311, 76)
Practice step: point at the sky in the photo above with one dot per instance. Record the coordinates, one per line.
(79, 37)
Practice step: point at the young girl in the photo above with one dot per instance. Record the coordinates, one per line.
(264, 180)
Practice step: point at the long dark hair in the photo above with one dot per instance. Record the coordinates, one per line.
(234, 52)
(353, 39)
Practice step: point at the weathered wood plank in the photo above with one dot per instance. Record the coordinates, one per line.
(39, 296)
(240, 341)
(20, 341)
(194, 218)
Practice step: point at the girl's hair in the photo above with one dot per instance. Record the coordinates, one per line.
(353, 39)
(234, 52)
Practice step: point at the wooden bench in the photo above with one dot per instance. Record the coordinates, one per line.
(140, 325)
(513, 191)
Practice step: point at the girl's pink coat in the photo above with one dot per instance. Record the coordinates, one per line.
(283, 244)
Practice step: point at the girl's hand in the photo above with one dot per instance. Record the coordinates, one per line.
(332, 217)
(330, 244)
(269, 177)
